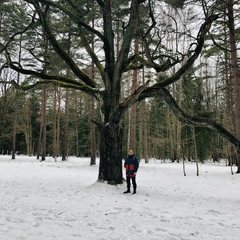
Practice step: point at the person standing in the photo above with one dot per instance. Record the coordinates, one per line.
(131, 165)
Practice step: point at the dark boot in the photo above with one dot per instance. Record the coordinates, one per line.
(134, 186)
(128, 185)
(128, 191)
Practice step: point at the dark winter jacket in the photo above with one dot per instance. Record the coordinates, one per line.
(131, 164)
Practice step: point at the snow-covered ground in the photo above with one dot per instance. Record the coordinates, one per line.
(62, 200)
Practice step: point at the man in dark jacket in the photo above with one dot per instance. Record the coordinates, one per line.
(131, 164)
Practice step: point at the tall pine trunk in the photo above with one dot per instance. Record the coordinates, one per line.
(133, 109)
(65, 131)
(44, 124)
(235, 71)
(92, 111)
(145, 119)
(16, 107)
(55, 147)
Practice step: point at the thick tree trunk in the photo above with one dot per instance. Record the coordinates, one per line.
(110, 167)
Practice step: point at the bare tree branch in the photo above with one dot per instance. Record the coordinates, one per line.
(69, 84)
(63, 81)
(200, 41)
(201, 122)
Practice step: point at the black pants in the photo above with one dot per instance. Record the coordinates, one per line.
(133, 183)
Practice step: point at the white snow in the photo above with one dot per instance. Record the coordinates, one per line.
(62, 200)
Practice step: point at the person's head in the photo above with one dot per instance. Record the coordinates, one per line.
(130, 152)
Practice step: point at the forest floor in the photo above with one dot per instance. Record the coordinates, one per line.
(63, 201)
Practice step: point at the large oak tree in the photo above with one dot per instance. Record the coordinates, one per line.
(109, 64)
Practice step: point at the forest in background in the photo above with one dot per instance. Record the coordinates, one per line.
(66, 117)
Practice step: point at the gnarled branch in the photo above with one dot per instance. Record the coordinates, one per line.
(200, 122)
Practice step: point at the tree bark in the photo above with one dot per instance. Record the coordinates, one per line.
(65, 131)
(44, 124)
(110, 167)
(235, 72)
(133, 110)
(92, 132)
(14, 133)
(55, 147)
(145, 119)
(16, 107)
(92, 109)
